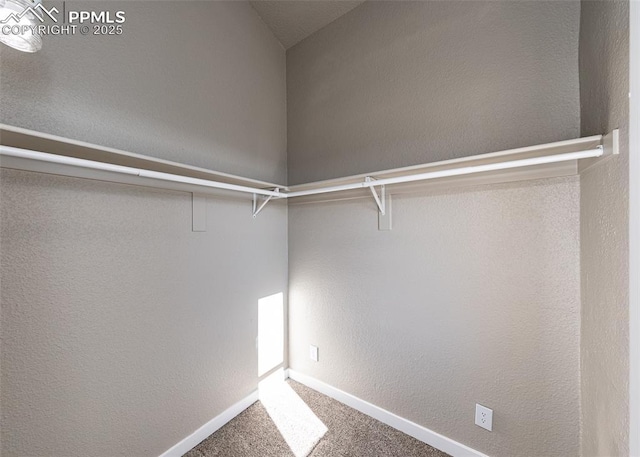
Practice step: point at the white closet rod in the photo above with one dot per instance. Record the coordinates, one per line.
(589, 153)
(65, 160)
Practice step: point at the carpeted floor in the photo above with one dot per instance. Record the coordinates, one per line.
(350, 434)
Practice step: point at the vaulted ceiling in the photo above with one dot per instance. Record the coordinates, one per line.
(293, 20)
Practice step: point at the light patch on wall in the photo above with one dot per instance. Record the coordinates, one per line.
(296, 422)
(270, 332)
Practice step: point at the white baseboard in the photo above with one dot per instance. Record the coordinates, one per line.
(419, 432)
(207, 429)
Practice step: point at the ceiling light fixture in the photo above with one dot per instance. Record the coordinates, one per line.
(17, 19)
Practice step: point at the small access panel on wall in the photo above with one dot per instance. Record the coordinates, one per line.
(384, 219)
(199, 212)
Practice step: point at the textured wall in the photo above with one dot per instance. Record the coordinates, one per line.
(604, 88)
(292, 21)
(122, 330)
(474, 296)
(400, 83)
(206, 79)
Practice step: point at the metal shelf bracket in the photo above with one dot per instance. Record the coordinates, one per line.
(380, 199)
(257, 208)
(610, 147)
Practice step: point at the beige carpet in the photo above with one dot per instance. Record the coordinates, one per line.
(350, 434)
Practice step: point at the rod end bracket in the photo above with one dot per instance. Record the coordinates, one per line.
(610, 148)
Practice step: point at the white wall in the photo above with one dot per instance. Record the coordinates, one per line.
(198, 82)
(474, 296)
(400, 83)
(604, 89)
(634, 228)
(122, 330)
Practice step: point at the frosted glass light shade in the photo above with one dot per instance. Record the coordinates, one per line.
(12, 32)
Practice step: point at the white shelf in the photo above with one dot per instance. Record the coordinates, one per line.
(546, 170)
(51, 144)
(35, 151)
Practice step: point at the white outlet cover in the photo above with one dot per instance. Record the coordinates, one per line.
(484, 417)
(313, 353)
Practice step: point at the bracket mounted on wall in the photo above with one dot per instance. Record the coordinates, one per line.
(257, 208)
(380, 199)
(22, 149)
(610, 148)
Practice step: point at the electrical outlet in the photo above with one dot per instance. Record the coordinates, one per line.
(313, 353)
(484, 417)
